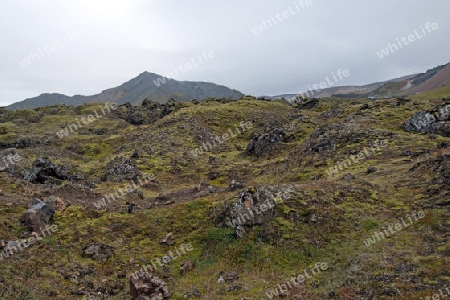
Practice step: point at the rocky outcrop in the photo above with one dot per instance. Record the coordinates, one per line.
(148, 287)
(255, 207)
(99, 252)
(308, 103)
(264, 143)
(149, 112)
(230, 277)
(434, 121)
(439, 168)
(332, 136)
(120, 169)
(44, 171)
(39, 215)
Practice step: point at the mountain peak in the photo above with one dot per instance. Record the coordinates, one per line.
(145, 85)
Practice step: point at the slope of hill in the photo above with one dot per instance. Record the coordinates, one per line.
(407, 85)
(430, 80)
(332, 185)
(146, 85)
(440, 77)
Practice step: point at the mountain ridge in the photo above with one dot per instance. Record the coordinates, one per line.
(146, 85)
(159, 89)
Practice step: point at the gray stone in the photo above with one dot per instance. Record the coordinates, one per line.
(187, 266)
(99, 252)
(144, 286)
(38, 216)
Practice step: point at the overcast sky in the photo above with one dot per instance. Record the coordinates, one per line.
(86, 46)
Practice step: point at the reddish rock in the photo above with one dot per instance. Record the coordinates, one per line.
(56, 203)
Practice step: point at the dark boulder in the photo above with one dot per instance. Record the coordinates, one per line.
(348, 176)
(365, 106)
(401, 101)
(371, 169)
(301, 102)
(38, 216)
(44, 171)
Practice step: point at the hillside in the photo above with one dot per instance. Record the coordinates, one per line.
(324, 180)
(408, 85)
(146, 85)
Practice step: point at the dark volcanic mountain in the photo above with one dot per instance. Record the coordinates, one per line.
(146, 85)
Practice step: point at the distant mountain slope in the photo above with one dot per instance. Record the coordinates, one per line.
(408, 85)
(146, 85)
(347, 90)
(430, 80)
(48, 99)
(442, 77)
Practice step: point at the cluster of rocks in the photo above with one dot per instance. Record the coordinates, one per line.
(436, 121)
(43, 171)
(25, 142)
(255, 207)
(146, 286)
(333, 135)
(440, 169)
(120, 169)
(264, 143)
(149, 112)
(98, 252)
(329, 136)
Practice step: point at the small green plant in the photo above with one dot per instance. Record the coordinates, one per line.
(63, 252)
(370, 224)
(49, 241)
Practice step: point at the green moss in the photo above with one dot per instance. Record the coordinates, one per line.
(369, 224)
